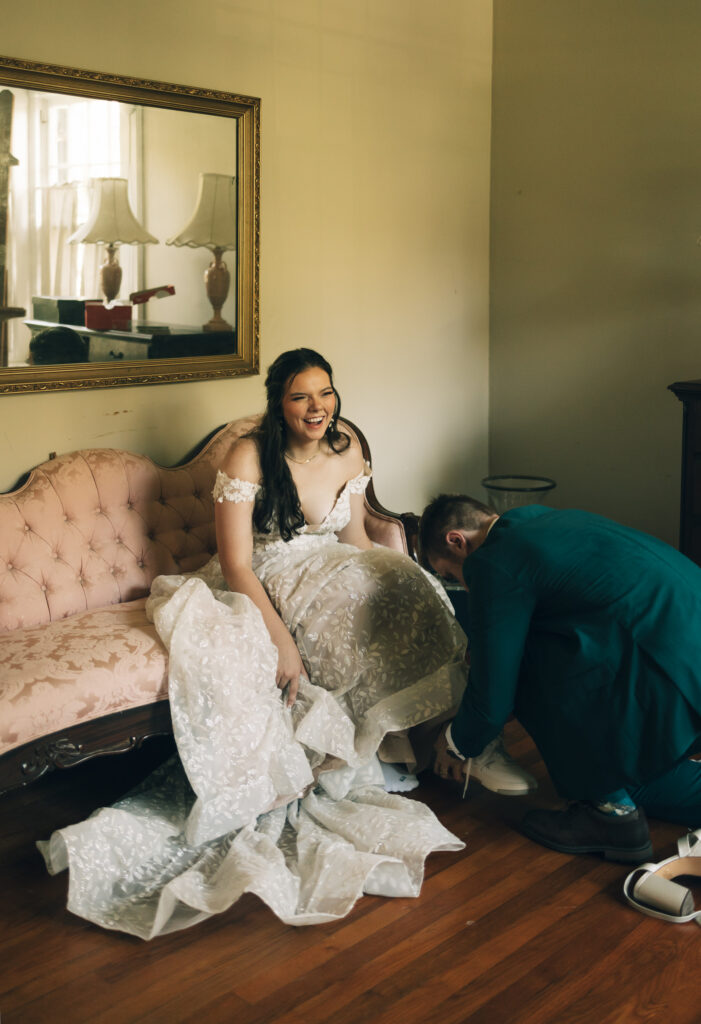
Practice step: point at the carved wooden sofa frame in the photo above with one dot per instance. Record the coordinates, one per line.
(81, 540)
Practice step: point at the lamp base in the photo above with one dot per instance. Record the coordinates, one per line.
(217, 323)
(216, 279)
(110, 275)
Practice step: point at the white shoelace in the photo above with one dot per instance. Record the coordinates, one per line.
(494, 751)
(468, 769)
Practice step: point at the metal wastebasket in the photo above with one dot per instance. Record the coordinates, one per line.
(505, 492)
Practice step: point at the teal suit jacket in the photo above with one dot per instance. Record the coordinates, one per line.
(590, 634)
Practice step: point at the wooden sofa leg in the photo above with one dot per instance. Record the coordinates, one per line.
(114, 734)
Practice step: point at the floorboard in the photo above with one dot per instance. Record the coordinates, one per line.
(505, 931)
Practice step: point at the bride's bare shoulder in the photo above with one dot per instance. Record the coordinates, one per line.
(353, 454)
(242, 461)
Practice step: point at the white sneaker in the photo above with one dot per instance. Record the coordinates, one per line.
(498, 771)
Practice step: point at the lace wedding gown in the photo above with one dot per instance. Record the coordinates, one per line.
(285, 803)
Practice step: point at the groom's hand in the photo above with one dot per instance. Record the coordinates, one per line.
(445, 764)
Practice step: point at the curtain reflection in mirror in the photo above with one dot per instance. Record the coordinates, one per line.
(61, 143)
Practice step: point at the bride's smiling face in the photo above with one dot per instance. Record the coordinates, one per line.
(308, 405)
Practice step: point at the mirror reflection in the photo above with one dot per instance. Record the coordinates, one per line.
(114, 212)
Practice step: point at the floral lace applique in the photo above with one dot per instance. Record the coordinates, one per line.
(359, 483)
(228, 488)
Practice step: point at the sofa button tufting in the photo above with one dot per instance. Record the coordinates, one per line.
(10, 566)
(43, 587)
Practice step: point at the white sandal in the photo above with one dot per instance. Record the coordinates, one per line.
(650, 889)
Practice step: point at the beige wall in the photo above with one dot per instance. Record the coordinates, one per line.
(375, 195)
(596, 275)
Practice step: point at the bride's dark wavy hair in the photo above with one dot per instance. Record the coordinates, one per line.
(278, 501)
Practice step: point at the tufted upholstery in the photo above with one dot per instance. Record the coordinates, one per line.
(95, 527)
(78, 669)
(80, 544)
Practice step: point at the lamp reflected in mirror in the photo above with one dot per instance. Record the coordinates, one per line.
(213, 226)
(111, 222)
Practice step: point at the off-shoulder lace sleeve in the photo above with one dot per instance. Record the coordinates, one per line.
(359, 483)
(228, 488)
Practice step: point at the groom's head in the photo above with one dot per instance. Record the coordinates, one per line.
(451, 528)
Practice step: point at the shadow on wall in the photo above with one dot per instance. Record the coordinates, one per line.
(590, 408)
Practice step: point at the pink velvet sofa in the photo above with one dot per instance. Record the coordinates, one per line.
(82, 670)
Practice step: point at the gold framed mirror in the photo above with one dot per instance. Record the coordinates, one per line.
(186, 163)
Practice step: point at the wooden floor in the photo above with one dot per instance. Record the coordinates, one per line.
(505, 931)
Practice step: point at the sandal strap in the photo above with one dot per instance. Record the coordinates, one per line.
(651, 888)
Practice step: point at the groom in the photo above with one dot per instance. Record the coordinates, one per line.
(590, 634)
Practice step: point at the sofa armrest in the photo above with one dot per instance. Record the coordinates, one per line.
(398, 530)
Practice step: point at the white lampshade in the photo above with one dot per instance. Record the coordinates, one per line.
(110, 219)
(213, 224)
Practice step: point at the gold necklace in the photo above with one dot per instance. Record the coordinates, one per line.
(302, 462)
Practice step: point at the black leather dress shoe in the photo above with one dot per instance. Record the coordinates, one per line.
(581, 828)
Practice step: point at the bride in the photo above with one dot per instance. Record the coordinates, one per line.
(280, 795)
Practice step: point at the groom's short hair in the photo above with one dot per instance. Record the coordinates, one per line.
(444, 513)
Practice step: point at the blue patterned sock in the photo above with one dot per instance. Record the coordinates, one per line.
(618, 803)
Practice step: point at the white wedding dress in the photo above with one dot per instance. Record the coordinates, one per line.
(285, 803)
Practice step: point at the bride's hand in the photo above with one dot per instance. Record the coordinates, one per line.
(289, 668)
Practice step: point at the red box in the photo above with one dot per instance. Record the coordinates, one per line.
(99, 317)
(121, 317)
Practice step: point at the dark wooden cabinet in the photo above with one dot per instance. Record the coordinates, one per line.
(147, 341)
(689, 393)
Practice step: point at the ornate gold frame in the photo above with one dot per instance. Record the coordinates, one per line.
(245, 110)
